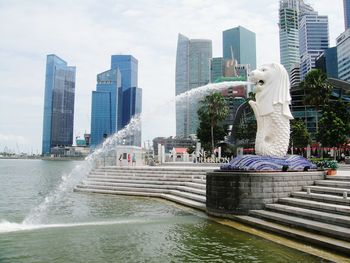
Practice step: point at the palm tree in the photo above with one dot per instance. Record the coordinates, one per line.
(215, 108)
(317, 90)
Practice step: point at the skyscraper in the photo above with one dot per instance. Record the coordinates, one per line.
(240, 43)
(192, 71)
(328, 62)
(58, 104)
(290, 12)
(128, 66)
(313, 40)
(347, 13)
(343, 50)
(105, 103)
(116, 100)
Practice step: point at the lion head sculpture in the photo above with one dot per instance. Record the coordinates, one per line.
(272, 87)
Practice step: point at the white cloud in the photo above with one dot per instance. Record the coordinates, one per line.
(86, 33)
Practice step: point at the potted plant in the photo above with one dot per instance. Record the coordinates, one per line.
(329, 165)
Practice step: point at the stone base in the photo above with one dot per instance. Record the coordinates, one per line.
(237, 192)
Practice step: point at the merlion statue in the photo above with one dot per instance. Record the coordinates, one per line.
(271, 109)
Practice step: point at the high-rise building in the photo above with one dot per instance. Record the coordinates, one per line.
(216, 69)
(343, 51)
(104, 110)
(116, 100)
(192, 71)
(239, 43)
(313, 40)
(328, 62)
(128, 66)
(58, 104)
(347, 13)
(289, 13)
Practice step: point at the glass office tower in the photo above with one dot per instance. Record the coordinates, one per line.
(290, 12)
(240, 43)
(104, 108)
(58, 104)
(128, 66)
(192, 71)
(313, 40)
(116, 100)
(343, 50)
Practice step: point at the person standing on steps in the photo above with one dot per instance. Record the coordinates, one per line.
(129, 159)
(133, 159)
(120, 159)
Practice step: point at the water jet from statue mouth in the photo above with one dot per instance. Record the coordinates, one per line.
(261, 82)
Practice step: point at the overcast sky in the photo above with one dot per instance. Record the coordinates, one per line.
(86, 33)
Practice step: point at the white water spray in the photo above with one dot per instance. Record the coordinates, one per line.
(68, 182)
(202, 91)
(80, 171)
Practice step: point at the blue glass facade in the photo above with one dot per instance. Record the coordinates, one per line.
(192, 71)
(240, 42)
(347, 13)
(58, 104)
(313, 40)
(115, 100)
(132, 104)
(128, 66)
(328, 62)
(104, 108)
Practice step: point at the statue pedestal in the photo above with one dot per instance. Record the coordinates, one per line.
(237, 192)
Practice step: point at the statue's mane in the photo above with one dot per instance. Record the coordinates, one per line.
(277, 91)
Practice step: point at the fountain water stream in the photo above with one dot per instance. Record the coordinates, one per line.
(35, 217)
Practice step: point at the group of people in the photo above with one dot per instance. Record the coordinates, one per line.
(131, 159)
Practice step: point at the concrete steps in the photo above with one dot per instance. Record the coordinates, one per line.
(150, 186)
(319, 214)
(139, 177)
(326, 217)
(333, 183)
(320, 227)
(187, 187)
(323, 197)
(141, 182)
(333, 244)
(320, 206)
(327, 189)
(153, 174)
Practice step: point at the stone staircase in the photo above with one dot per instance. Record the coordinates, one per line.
(183, 186)
(320, 214)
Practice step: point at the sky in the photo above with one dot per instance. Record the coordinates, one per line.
(85, 33)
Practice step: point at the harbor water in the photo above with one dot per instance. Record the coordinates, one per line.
(76, 227)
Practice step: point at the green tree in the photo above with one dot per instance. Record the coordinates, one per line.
(342, 110)
(213, 109)
(247, 131)
(333, 131)
(317, 90)
(299, 136)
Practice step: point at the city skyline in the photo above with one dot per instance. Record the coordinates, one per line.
(98, 31)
